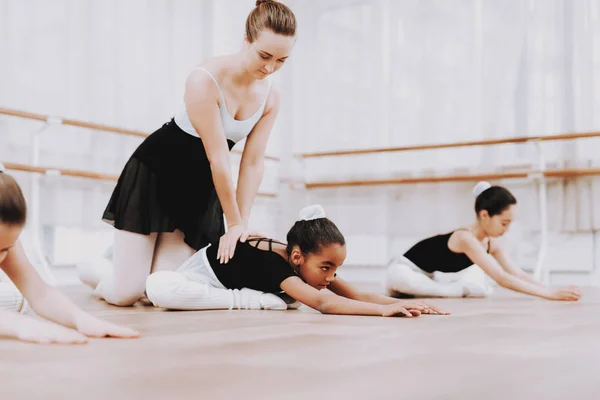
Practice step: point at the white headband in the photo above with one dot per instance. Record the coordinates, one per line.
(311, 212)
(2, 168)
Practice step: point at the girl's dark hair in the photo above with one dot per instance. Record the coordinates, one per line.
(13, 208)
(311, 236)
(271, 15)
(494, 199)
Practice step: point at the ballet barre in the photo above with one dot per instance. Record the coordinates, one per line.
(435, 146)
(80, 174)
(551, 173)
(88, 125)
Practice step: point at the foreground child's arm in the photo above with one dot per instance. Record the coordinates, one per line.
(52, 305)
(17, 326)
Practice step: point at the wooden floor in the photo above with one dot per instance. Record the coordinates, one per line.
(505, 347)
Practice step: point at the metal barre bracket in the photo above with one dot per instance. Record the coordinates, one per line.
(53, 172)
(50, 120)
(536, 175)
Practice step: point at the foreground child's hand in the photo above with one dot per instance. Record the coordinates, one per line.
(94, 327)
(34, 331)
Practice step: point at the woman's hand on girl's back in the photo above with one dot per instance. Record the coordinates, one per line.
(229, 240)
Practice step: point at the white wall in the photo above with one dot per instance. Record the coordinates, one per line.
(367, 73)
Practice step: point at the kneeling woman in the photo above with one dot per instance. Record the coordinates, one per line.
(454, 264)
(302, 268)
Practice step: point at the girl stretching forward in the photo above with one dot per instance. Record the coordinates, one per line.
(45, 300)
(302, 268)
(443, 265)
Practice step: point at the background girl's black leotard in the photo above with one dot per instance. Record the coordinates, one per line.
(433, 254)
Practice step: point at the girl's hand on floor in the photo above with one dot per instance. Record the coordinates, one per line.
(424, 307)
(568, 293)
(94, 327)
(34, 331)
(397, 310)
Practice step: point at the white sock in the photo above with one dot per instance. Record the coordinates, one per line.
(250, 299)
(475, 282)
(173, 290)
(292, 304)
(402, 278)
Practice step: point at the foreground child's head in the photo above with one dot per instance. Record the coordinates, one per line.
(13, 212)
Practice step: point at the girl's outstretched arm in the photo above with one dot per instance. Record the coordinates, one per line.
(330, 303)
(498, 252)
(51, 304)
(345, 289)
(473, 249)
